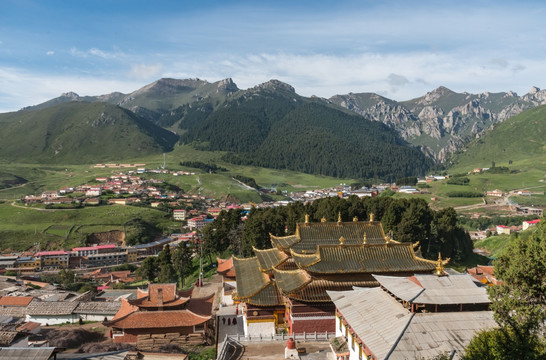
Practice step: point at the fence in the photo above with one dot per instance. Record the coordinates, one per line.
(314, 336)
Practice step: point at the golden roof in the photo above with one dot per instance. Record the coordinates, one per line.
(269, 258)
(391, 257)
(309, 235)
(315, 291)
(250, 280)
(289, 281)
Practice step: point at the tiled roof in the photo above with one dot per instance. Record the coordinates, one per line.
(125, 309)
(250, 280)
(15, 300)
(158, 319)
(51, 308)
(224, 264)
(328, 233)
(267, 296)
(291, 280)
(98, 307)
(43, 353)
(391, 257)
(201, 306)
(316, 290)
(270, 258)
(151, 298)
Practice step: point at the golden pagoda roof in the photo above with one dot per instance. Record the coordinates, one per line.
(289, 281)
(365, 258)
(269, 258)
(268, 296)
(250, 280)
(309, 235)
(315, 291)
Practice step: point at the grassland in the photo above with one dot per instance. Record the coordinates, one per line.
(21, 228)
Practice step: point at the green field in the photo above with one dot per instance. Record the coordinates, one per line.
(21, 228)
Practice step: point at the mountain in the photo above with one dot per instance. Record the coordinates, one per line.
(442, 121)
(522, 137)
(79, 132)
(271, 126)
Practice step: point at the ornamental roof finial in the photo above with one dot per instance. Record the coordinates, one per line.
(307, 218)
(355, 219)
(439, 266)
(371, 217)
(339, 217)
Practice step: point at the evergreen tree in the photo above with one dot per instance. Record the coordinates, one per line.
(167, 274)
(519, 303)
(148, 269)
(182, 261)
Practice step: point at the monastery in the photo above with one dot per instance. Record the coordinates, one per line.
(285, 287)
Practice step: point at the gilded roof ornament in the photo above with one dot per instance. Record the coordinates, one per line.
(339, 218)
(323, 219)
(439, 266)
(371, 217)
(342, 240)
(355, 219)
(307, 218)
(365, 240)
(387, 239)
(416, 245)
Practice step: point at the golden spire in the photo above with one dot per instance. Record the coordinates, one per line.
(387, 239)
(355, 219)
(307, 218)
(339, 217)
(342, 240)
(371, 217)
(439, 266)
(365, 240)
(323, 219)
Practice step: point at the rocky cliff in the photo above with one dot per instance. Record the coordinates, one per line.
(442, 121)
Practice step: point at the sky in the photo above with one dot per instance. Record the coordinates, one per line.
(399, 49)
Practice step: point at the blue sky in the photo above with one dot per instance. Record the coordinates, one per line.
(399, 49)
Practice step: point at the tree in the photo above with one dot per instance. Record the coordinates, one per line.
(519, 303)
(167, 273)
(148, 269)
(182, 261)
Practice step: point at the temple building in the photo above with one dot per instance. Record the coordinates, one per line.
(285, 287)
(161, 316)
(417, 317)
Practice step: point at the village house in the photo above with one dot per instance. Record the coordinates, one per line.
(179, 214)
(529, 223)
(161, 316)
(495, 193)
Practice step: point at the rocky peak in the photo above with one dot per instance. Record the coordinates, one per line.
(227, 85)
(533, 90)
(434, 95)
(275, 85)
(71, 95)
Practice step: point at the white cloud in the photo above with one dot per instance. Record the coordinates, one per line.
(145, 71)
(50, 52)
(26, 89)
(96, 53)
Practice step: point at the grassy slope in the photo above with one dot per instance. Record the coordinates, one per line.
(21, 228)
(76, 132)
(521, 139)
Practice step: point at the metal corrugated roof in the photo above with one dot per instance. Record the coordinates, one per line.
(15, 353)
(452, 289)
(377, 318)
(432, 334)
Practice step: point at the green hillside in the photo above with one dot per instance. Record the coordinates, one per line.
(520, 139)
(79, 132)
(271, 126)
